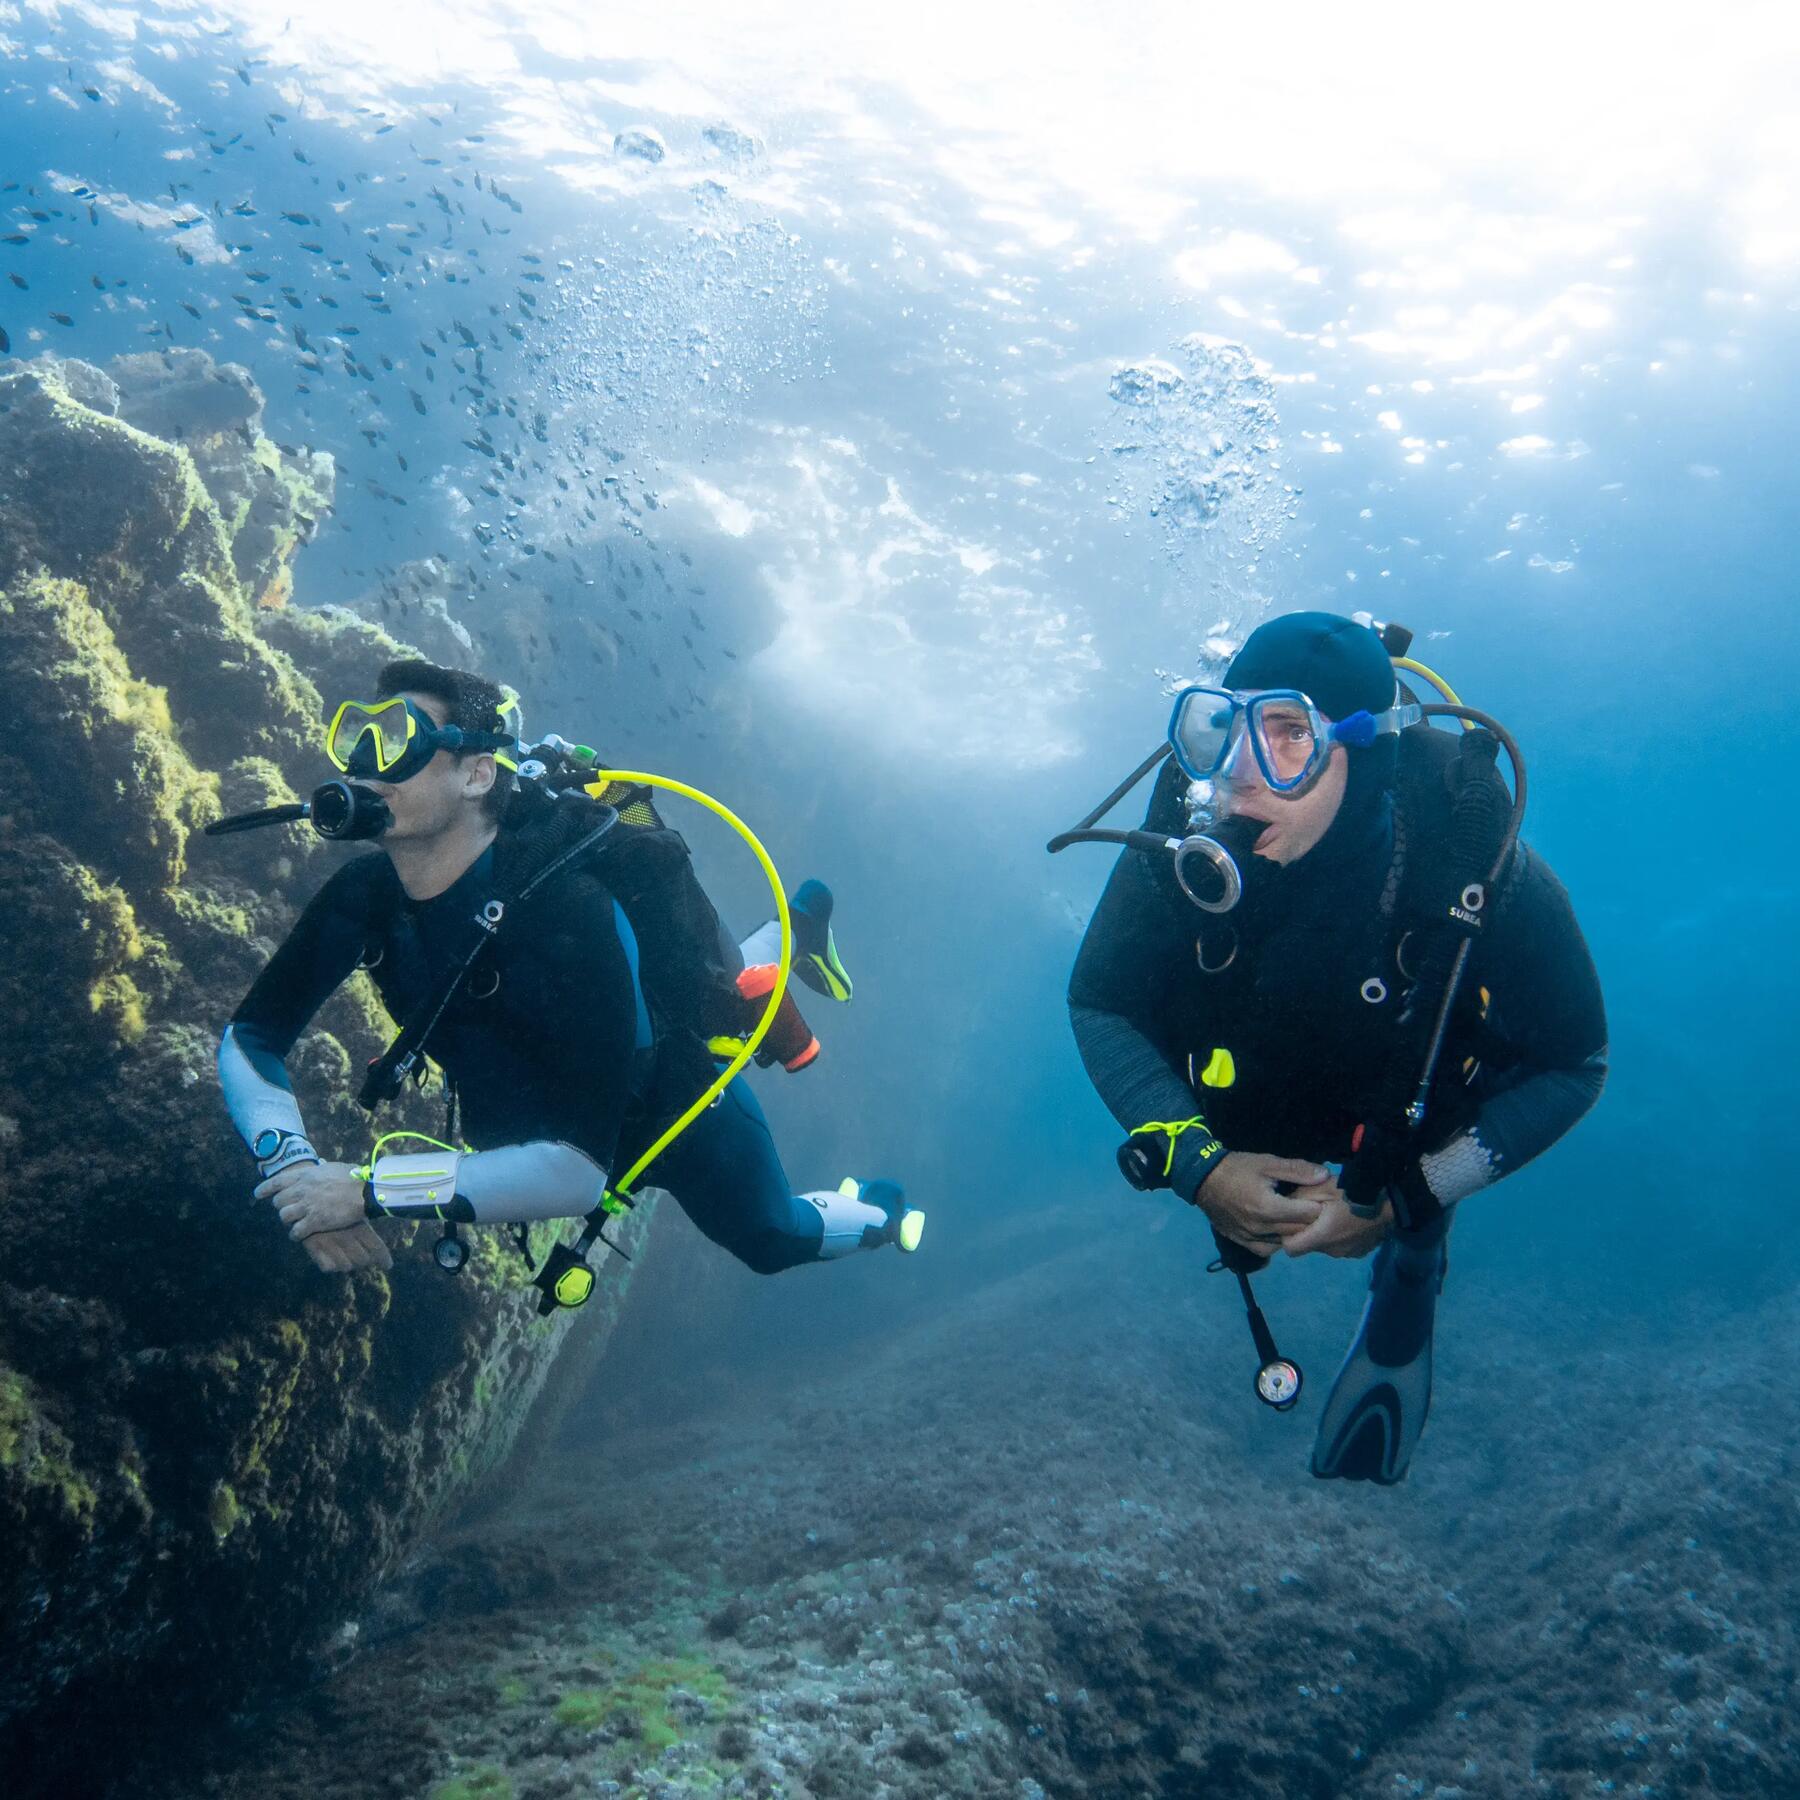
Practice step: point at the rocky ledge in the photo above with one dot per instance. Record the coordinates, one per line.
(207, 1450)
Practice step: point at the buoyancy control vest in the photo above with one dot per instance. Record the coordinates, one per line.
(1332, 994)
(684, 963)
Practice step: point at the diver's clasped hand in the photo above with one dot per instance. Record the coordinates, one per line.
(1338, 1230)
(344, 1252)
(1262, 1201)
(1270, 1203)
(322, 1206)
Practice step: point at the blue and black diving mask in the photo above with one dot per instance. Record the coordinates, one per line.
(1289, 738)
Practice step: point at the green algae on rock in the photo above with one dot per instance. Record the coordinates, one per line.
(207, 1450)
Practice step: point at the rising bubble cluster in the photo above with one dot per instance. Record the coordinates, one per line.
(1198, 449)
(668, 332)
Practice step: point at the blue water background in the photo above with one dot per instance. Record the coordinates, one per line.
(1651, 682)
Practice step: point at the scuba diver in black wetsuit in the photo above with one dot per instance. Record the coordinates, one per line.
(1326, 946)
(541, 935)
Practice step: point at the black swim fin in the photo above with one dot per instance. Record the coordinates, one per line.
(1377, 1406)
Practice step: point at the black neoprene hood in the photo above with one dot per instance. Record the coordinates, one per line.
(1338, 664)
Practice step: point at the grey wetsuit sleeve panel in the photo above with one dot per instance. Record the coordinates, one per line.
(320, 952)
(521, 1182)
(255, 1084)
(1514, 1125)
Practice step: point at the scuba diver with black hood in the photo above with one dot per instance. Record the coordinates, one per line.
(540, 935)
(1331, 995)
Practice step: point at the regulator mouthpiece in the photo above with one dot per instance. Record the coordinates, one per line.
(1210, 864)
(346, 810)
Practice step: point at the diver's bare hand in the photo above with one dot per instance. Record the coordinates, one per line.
(343, 1252)
(1338, 1231)
(315, 1197)
(1244, 1203)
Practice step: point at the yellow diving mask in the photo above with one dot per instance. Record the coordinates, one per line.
(392, 740)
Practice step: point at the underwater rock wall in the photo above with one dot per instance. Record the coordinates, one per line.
(207, 1449)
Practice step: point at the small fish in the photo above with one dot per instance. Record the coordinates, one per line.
(5, 342)
(18, 281)
(187, 306)
(15, 237)
(62, 318)
(298, 218)
(91, 92)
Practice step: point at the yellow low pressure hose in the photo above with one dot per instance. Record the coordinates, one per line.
(605, 778)
(1437, 681)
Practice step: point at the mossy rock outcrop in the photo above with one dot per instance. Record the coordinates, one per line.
(207, 1449)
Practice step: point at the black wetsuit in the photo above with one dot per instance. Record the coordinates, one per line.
(1304, 1007)
(550, 1044)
